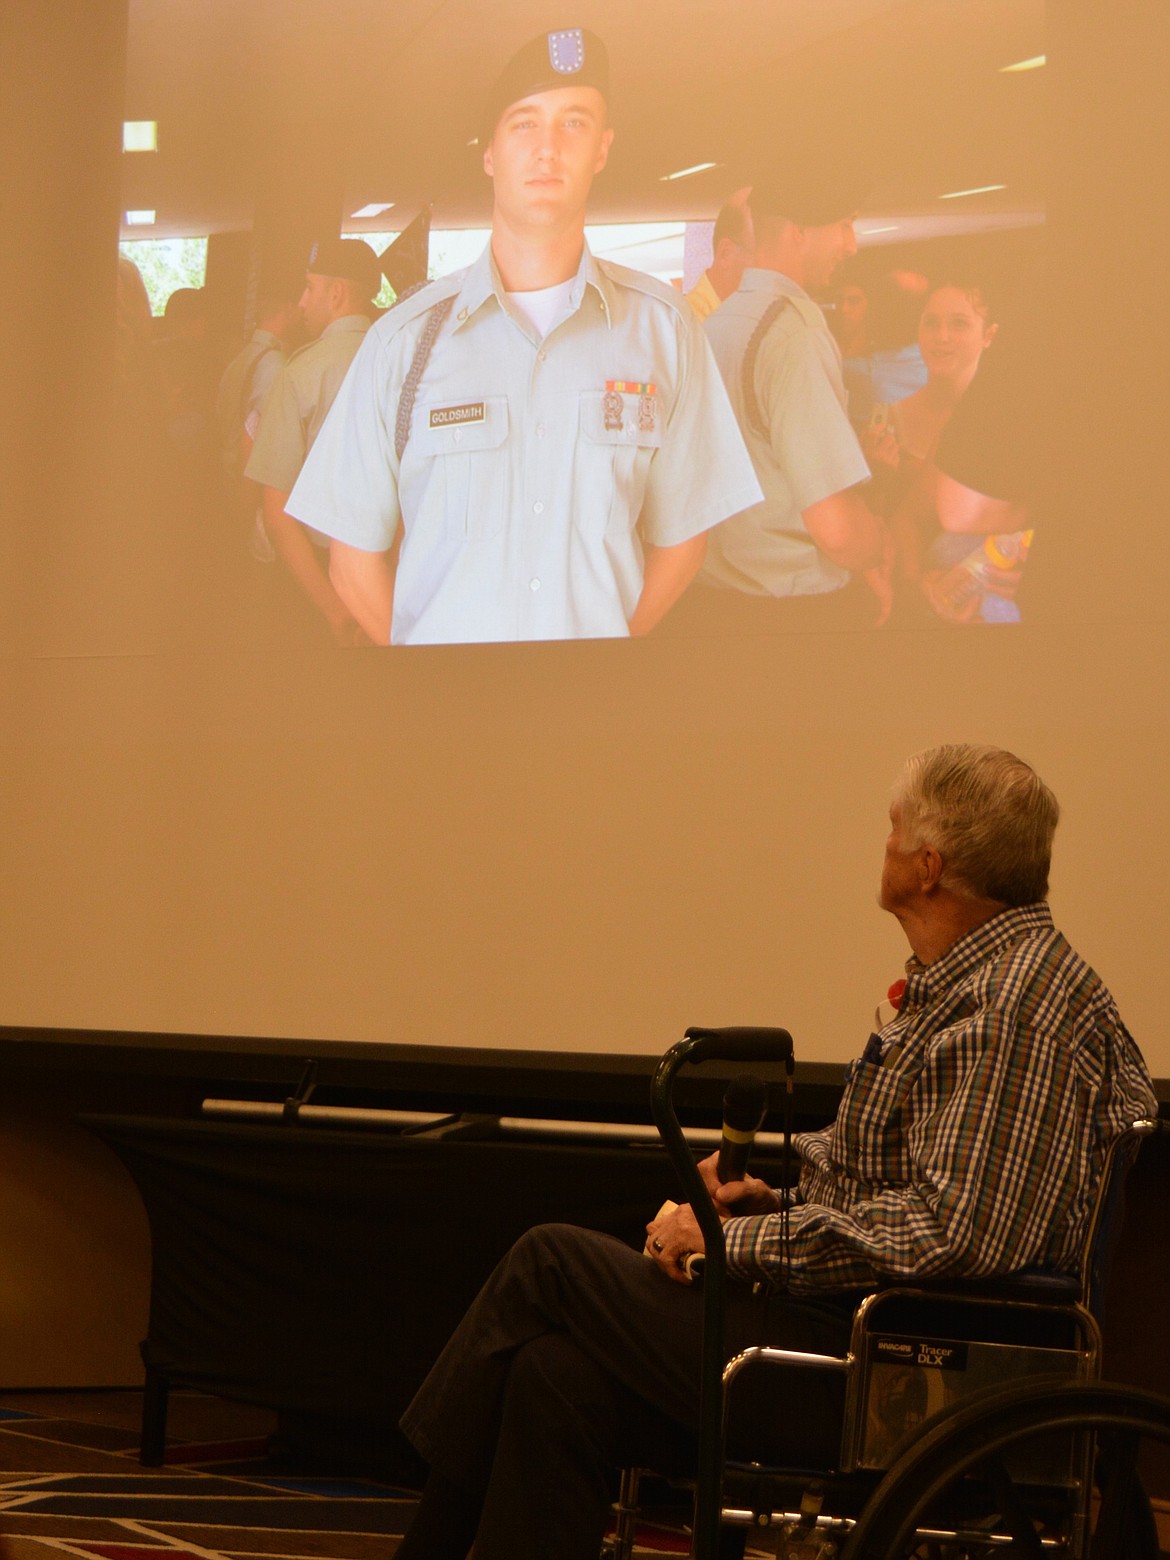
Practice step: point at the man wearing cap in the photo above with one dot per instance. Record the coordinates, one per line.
(794, 559)
(248, 377)
(341, 280)
(544, 436)
(731, 244)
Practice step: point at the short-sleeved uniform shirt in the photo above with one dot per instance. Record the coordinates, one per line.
(536, 470)
(242, 388)
(297, 403)
(810, 450)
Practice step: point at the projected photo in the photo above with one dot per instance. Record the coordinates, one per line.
(637, 338)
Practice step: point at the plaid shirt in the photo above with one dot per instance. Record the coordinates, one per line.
(971, 1133)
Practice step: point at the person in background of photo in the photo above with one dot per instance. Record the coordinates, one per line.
(242, 390)
(875, 322)
(342, 279)
(132, 342)
(804, 556)
(849, 321)
(731, 245)
(901, 441)
(997, 454)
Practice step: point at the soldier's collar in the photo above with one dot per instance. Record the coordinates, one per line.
(483, 282)
(345, 323)
(757, 278)
(590, 274)
(925, 982)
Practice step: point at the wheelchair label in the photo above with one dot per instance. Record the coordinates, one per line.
(934, 1353)
(910, 1377)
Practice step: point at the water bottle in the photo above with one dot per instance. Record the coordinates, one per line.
(954, 592)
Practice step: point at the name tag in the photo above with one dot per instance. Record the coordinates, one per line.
(454, 416)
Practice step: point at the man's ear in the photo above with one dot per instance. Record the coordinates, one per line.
(603, 154)
(487, 160)
(930, 869)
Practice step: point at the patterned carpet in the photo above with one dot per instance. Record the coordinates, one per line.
(70, 1483)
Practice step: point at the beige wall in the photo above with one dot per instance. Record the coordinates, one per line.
(75, 1272)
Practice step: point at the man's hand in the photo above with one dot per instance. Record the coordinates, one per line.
(302, 560)
(733, 1199)
(881, 581)
(349, 633)
(879, 445)
(671, 1239)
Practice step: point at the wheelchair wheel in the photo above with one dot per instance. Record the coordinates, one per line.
(913, 1510)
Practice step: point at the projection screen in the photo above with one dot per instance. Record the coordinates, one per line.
(588, 845)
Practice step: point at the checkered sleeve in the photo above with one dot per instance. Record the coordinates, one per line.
(746, 1242)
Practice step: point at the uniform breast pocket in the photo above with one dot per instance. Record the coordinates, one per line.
(616, 448)
(461, 454)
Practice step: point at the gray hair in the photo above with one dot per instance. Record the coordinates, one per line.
(987, 813)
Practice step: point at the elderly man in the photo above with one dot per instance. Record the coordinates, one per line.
(969, 1137)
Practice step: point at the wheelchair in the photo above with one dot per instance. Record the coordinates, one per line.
(974, 1419)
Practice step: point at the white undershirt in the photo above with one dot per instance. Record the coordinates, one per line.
(545, 306)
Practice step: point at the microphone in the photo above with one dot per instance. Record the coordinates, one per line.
(744, 1105)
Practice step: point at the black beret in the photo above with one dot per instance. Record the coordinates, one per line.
(351, 258)
(809, 195)
(556, 59)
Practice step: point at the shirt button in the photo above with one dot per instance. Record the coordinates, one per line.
(541, 430)
(534, 585)
(542, 356)
(538, 508)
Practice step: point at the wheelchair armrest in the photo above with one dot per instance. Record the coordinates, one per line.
(1031, 1286)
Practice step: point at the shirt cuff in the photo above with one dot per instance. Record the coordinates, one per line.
(745, 1241)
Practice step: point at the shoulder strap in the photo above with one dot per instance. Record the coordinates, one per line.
(751, 401)
(414, 373)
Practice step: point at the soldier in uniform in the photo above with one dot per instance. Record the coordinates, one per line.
(544, 436)
(341, 280)
(803, 557)
(243, 387)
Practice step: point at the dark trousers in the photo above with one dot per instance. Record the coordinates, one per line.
(579, 1356)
